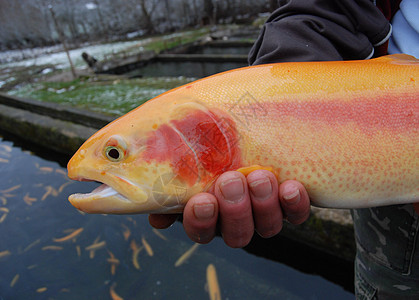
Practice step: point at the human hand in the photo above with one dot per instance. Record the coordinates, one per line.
(240, 206)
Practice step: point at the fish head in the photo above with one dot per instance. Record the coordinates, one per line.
(153, 159)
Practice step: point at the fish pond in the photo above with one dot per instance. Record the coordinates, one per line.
(49, 250)
(185, 68)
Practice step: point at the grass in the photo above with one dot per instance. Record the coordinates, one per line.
(114, 98)
(171, 41)
(161, 43)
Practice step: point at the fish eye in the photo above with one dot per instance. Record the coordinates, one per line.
(115, 148)
(114, 153)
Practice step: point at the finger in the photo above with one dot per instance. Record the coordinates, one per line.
(160, 221)
(267, 213)
(236, 218)
(200, 218)
(295, 202)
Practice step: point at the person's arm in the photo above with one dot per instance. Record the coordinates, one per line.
(299, 30)
(321, 30)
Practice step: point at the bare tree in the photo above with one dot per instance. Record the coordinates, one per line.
(62, 38)
(68, 18)
(231, 9)
(168, 13)
(103, 28)
(187, 19)
(195, 12)
(209, 12)
(273, 4)
(147, 9)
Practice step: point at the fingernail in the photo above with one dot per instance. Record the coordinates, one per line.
(232, 190)
(261, 189)
(204, 211)
(291, 194)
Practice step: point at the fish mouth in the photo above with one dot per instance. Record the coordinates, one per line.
(105, 199)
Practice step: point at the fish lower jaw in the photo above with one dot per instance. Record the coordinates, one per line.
(102, 191)
(103, 199)
(107, 200)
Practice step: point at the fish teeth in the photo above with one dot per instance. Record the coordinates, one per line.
(102, 191)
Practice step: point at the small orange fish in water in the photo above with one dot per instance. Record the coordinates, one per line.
(7, 148)
(113, 294)
(5, 253)
(147, 247)
(135, 258)
(29, 200)
(186, 255)
(52, 247)
(212, 282)
(61, 188)
(135, 251)
(72, 235)
(31, 245)
(11, 189)
(41, 289)
(133, 245)
(14, 280)
(62, 172)
(96, 246)
(49, 191)
(113, 261)
(159, 234)
(46, 169)
(5, 211)
(126, 232)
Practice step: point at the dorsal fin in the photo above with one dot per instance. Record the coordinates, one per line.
(398, 58)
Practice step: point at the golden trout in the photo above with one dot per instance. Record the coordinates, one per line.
(347, 130)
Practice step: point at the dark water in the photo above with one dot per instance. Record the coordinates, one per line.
(185, 69)
(222, 50)
(34, 212)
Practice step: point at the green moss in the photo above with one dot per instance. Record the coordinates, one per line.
(115, 97)
(258, 22)
(316, 224)
(161, 43)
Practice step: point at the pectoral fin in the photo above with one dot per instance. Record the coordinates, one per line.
(247, 170)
